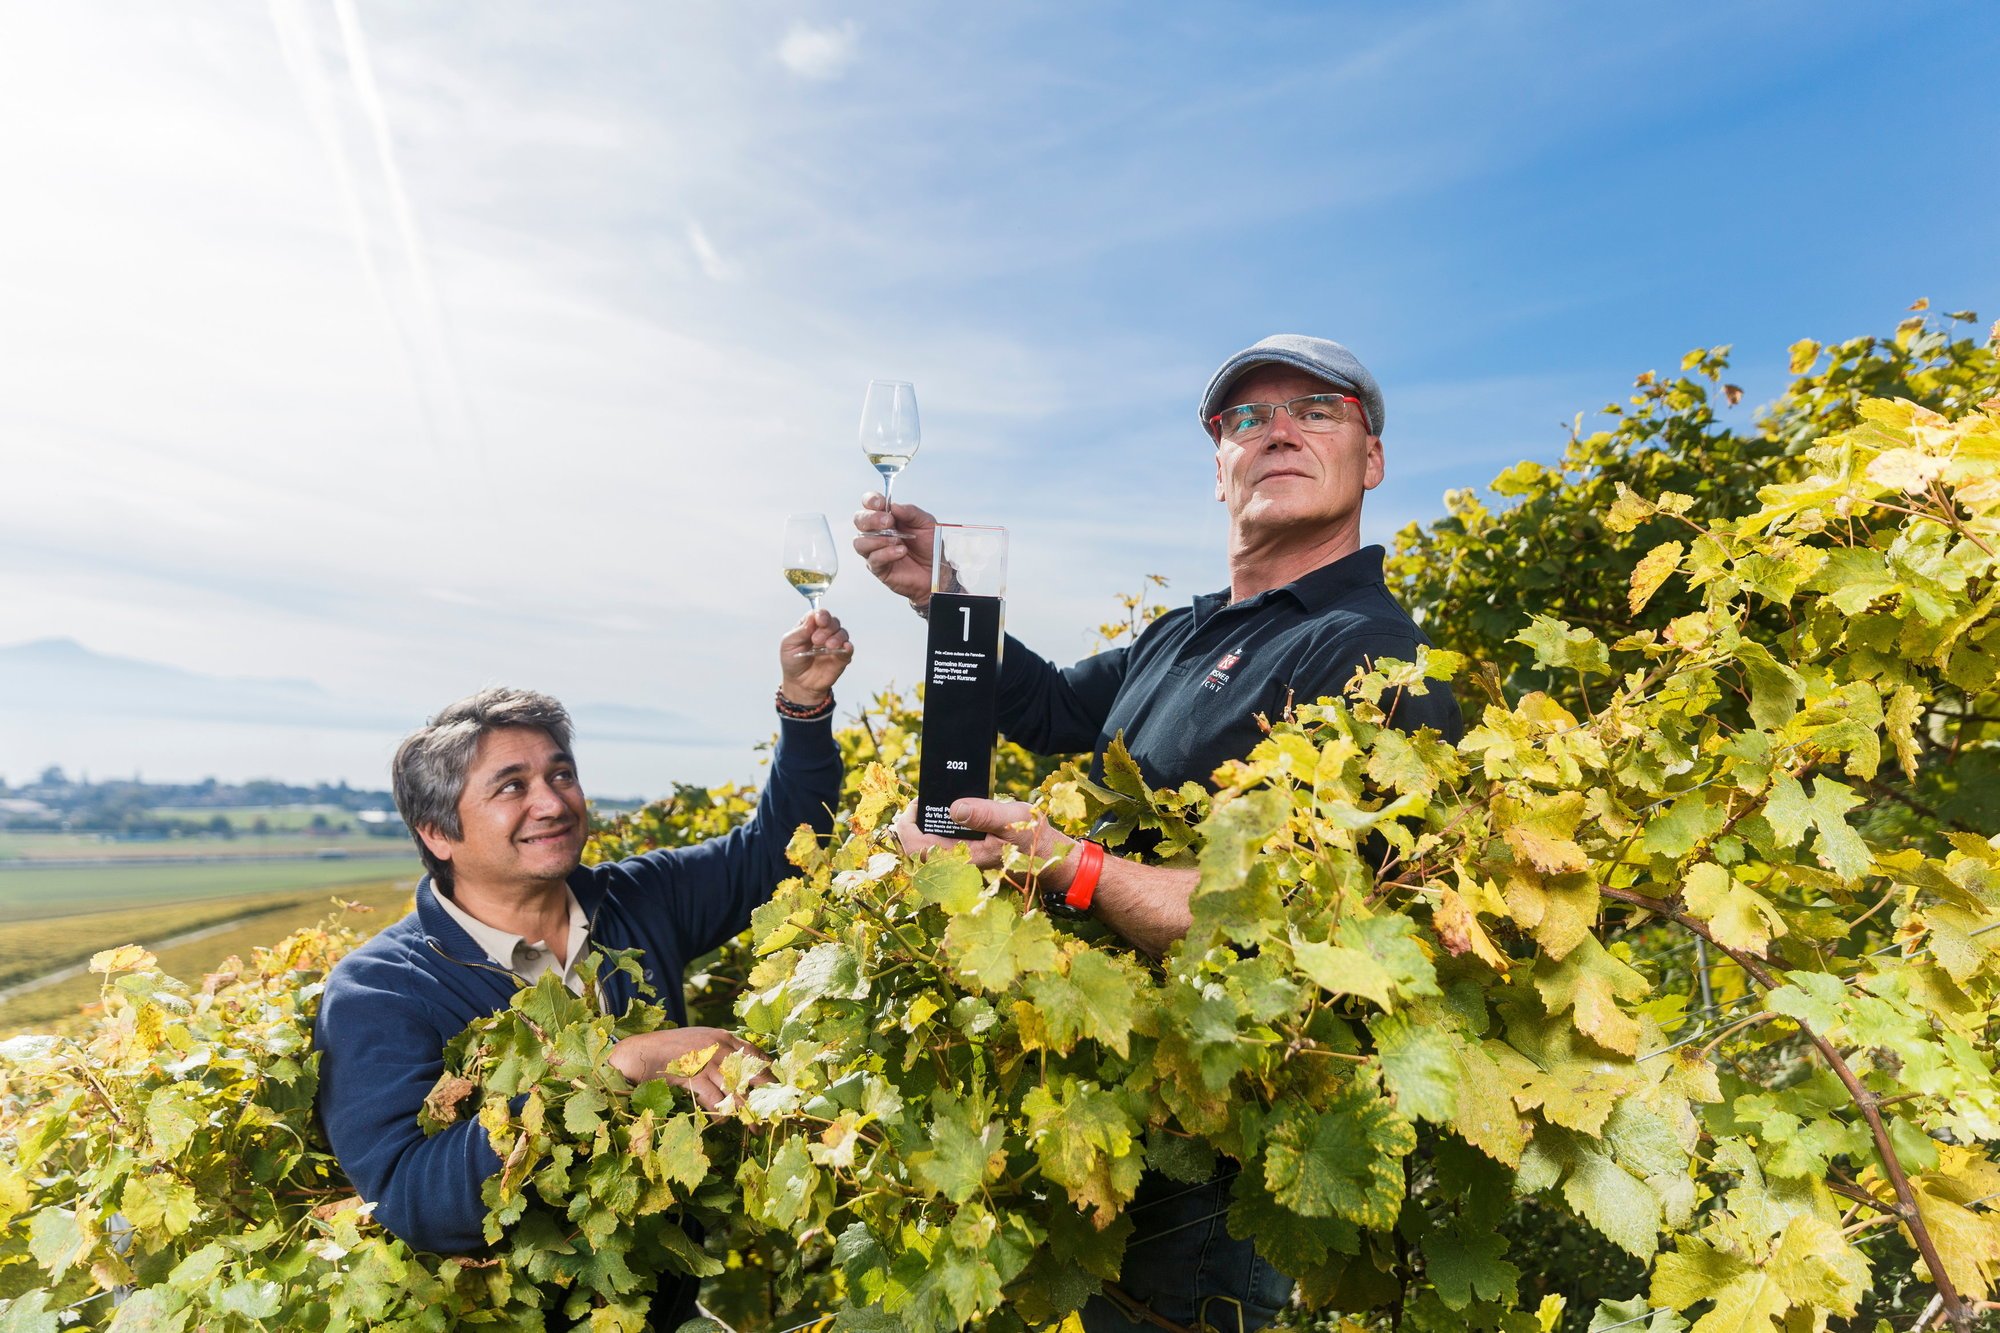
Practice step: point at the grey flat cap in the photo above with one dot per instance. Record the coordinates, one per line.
(1315, 356)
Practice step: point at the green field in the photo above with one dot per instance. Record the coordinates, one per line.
(57, 1007)
(49, 891)
(30, 949)
(55, 916)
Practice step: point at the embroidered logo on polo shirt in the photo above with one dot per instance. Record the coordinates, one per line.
(1218, 675)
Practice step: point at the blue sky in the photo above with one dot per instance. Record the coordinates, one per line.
(407, 348)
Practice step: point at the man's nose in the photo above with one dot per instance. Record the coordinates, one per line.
(544, 803)
(1284, 431)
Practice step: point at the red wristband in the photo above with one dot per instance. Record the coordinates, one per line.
(1083, 886)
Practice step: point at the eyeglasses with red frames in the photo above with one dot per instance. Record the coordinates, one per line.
(1313, 413)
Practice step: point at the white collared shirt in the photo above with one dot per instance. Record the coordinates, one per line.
(529, 960)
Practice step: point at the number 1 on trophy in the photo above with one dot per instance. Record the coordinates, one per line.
(961, 673)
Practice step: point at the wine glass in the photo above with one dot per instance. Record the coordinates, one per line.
(890, 433)
(810, 561)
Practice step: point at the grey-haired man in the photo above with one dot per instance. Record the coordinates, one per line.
(491, 791)
(1296, 424)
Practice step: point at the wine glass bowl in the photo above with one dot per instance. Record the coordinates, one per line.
(810, 560)
(890, 433)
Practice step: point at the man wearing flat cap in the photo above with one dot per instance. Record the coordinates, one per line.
(1296, 423)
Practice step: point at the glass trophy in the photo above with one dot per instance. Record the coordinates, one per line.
(961, 673)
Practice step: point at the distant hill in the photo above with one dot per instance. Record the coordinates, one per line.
(62, 676)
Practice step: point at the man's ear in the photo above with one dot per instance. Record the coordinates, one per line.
(435, 842)
(1218, 473)
(1373, 476)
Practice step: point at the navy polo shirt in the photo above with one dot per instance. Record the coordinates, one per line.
(1186, 693)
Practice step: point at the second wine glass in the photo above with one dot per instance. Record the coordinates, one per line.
(890, 432)
(810, 561)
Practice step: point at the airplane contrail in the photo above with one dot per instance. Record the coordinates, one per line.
(302, 62)
(414, 348)
(437, 333)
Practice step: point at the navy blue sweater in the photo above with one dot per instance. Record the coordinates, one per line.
(391, 1005)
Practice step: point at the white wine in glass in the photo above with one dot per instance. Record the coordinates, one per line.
(812, 582)
(890, 432)
(810, 561)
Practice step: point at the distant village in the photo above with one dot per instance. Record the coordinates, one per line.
(132, 808)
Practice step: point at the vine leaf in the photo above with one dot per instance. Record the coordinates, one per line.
(1096, 997)
(1817, 1267)
(1592, 983)
(1085, 1141)
(1343, 971)
(1838, 846)
(1739, 916)
(1465, 1262)
(1485, 1116)
(1747, 1304)
(1345, 1161)
(1420, 1066)
(993, 945)
(1689, 820)
(1542, 832)
(56, 1239)
(949, 881)
(1968, 1242)
(1607, 1196)
(962, 1156)
(1556, 645)
(1652, 571)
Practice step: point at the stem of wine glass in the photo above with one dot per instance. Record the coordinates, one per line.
(888, 484)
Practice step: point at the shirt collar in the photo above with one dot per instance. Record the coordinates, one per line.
(1313, 592)
(1329, 583)
(500, 945)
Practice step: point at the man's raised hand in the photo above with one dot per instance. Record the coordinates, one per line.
(808, 676)
(903, 564)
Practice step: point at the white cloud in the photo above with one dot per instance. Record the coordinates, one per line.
(813, 52)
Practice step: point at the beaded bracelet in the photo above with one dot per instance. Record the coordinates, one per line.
(800, 713)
